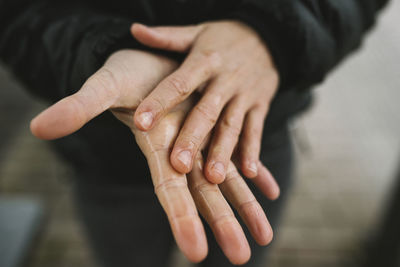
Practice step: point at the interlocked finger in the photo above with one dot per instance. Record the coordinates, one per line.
(224, 140)
(250, 142)
(197, 126)
(195, 70)
(265, 182)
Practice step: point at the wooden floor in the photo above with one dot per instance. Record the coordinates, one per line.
(347, 149)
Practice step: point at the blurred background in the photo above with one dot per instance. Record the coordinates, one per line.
(348, 156)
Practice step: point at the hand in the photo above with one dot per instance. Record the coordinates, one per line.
(180, 196)
(234, 66)
(127, 77)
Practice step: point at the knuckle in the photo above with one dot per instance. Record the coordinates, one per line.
(105, 80)
(253, 138)
(218, 152)
(157, 148)
(229, 123)
(206, 187)
(255, 130)
(223, 218)
(212, 58)
(156, 101)
(208, 113)
(103, 85)
(179, 85)
(232, 176)
(170, 183)
(248, 203)
(79, 108)
(168, 44)
(189, 141)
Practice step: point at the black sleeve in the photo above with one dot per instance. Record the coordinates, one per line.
(307, 38)
(54, 46)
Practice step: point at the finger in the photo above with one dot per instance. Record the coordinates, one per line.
(198, 68)
(197, 126)
(218, 214)
(238, 193)
(69, 114)
(266, 183)
(250, 143)
(224, 140)
(175, 198)
(178, 39)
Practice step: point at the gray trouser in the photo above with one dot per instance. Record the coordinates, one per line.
(127, 227)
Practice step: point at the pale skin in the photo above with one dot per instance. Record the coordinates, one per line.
(126, 78)
(233, 68)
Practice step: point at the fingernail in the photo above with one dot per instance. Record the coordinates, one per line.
(146, 119)
(253, 167)
(185, 157)
(219, 169)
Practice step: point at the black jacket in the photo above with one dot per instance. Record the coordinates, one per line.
(53, 46)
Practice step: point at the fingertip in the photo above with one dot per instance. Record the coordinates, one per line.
(242, 257)
(34, 128)
(197, 255)
(215, 172)
(267, 182)
(249, 169)
(143, 120)
(248, 164)
(138, 28)
(257, 222)
(181, 160)
(265, 232)
(38, 128)
(191, 239)
(233, 242)
(133, 27)
(276, 192)
(136, 25)
(145, 34)
(267, 238)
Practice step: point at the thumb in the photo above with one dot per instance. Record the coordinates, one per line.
(173, 38)
(71, 113)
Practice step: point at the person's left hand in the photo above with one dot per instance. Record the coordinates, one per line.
(234, 67)
(181, 196)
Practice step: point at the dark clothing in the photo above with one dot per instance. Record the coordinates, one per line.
(53, 46)
(383, 248)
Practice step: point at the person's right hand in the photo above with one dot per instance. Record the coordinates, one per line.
(126, 78)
